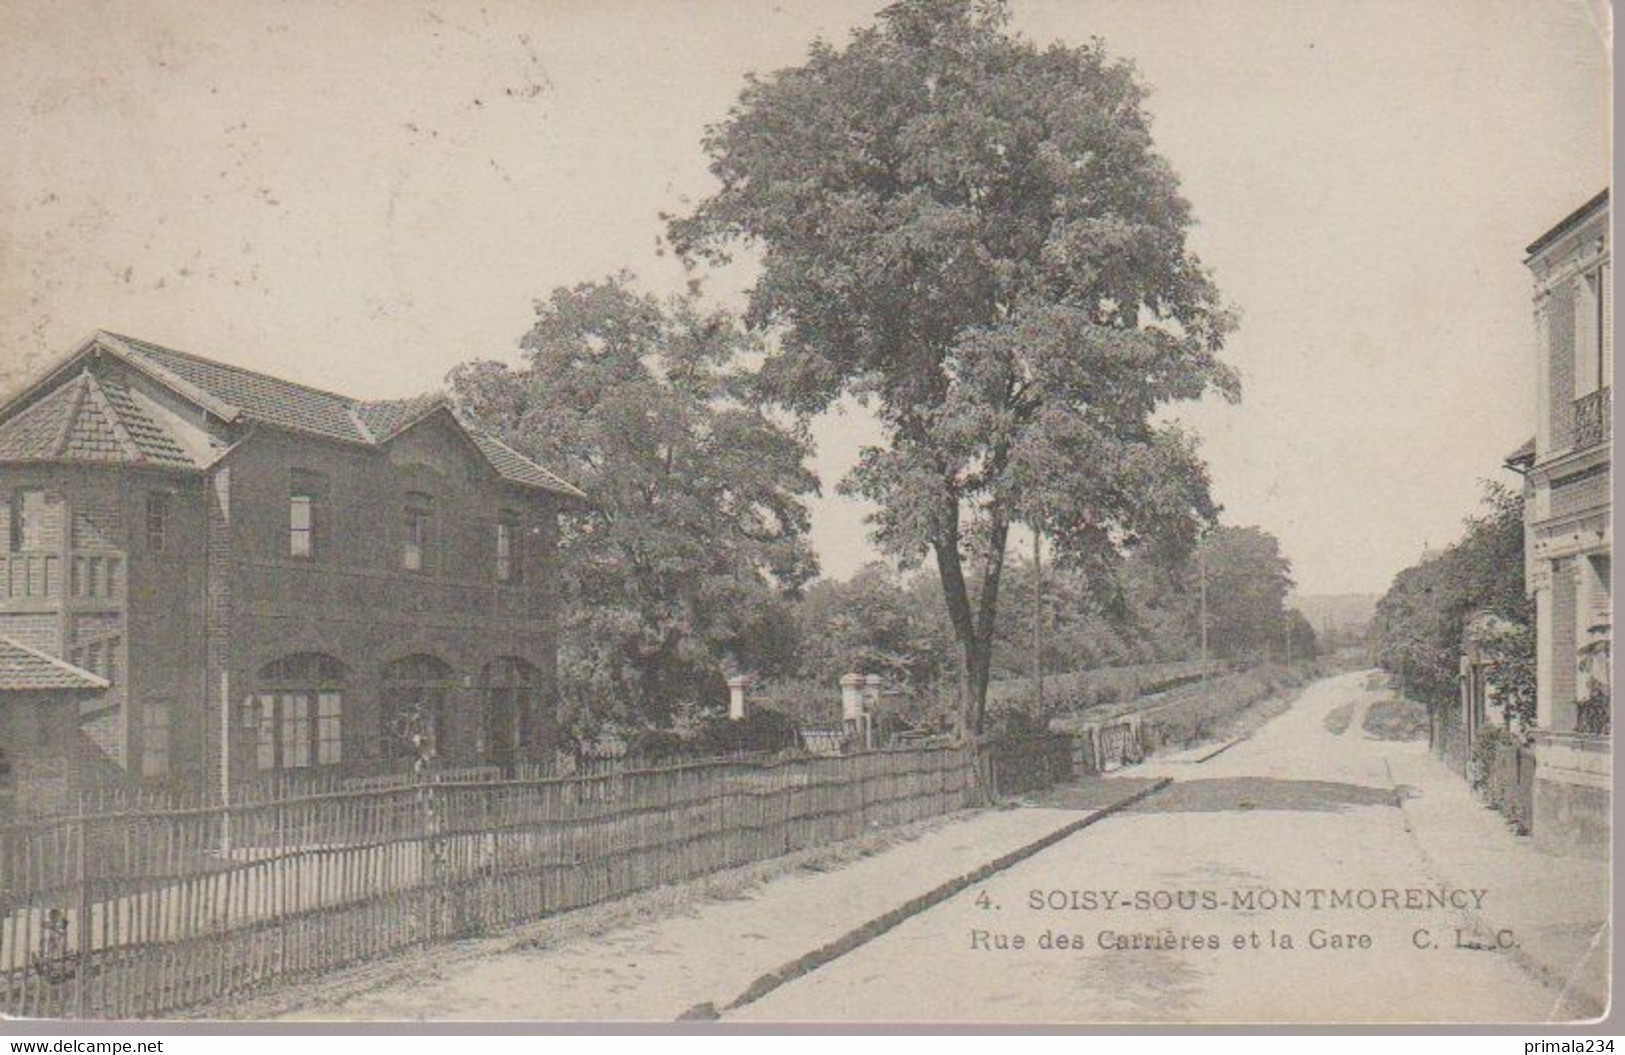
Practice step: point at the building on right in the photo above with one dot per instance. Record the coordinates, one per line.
(1568, 537)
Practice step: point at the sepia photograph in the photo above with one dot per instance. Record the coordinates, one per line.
(745, 514)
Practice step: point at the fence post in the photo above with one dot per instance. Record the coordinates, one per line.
(81, 991)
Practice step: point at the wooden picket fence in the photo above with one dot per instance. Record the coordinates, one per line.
(135, 914)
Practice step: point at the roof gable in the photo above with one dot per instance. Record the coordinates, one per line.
(387, 418)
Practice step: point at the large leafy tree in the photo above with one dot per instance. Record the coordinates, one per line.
(696, 519)
(974, 236)
(1248, 579)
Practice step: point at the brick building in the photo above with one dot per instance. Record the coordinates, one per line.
(255, 577)
(1568, 529)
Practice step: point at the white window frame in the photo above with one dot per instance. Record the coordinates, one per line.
(307, 532)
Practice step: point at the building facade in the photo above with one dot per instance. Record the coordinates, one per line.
(1568, 529)
(272, 579)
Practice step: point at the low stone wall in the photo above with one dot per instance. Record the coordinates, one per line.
(1573, 800)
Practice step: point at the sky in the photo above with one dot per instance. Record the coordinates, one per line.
(360, 195)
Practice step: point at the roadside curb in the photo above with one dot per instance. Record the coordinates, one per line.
(1216, 752)
(867, 932)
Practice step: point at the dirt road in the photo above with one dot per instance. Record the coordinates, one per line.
(1207, 882)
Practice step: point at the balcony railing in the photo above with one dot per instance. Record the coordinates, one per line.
(1593, 415)
(33, 575)
(30, 576)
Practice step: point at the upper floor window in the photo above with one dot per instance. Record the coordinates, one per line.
(301, 525)
(507, 537)
(304, 495)
(36, 519)
(157, 520)
(155, 738)
(1593, 332)
(417, 531)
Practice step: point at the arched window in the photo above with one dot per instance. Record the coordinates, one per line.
(300, 712)
(510, 692)
(415, 692)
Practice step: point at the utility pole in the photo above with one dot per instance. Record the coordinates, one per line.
(1201, 572)
(1038, 622)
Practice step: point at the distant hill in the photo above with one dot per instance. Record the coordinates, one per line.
(1345, 612)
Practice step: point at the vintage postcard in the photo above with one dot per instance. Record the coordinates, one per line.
(949, 512)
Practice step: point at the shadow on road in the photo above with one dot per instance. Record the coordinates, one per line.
(1240, 794)
(1088, 793)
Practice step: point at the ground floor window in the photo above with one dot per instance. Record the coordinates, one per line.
(511, 698)
(299, 714)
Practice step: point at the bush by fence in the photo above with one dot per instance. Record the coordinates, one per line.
(1503, 774)
(135, 914)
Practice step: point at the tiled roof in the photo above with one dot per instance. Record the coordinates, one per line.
(36, 433)
(24, 668)
(94, 418)
(257, 396)
(512, 465)
(152, 439)
(1525, 453)
(92, 436)
(385, 418)
(89, 420)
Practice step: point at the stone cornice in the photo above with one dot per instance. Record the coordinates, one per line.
(1568, 461)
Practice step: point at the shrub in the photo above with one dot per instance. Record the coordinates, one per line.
(763, 731)
(1491, 741)
(657, 746)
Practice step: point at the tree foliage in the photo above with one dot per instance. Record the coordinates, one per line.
(1248, 579)
(696, 521)
(876, 622)
(974, 236)
(1421, 620)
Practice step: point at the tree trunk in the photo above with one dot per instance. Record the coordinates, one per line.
(973, 624)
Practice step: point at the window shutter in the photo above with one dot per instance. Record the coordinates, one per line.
(1583, 341)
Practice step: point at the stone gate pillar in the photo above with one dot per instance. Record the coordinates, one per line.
(739, 697)
(852, 686)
